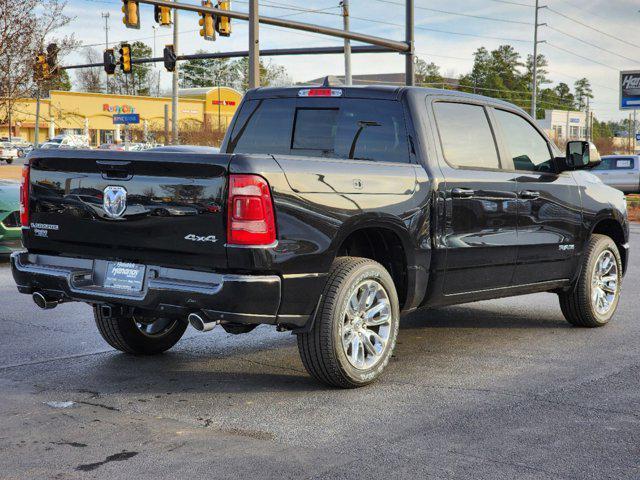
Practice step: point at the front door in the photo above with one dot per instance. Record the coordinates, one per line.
(549, 207)
(480, 232)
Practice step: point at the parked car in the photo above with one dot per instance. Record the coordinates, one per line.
(620, 171)
(328, 212)
(9, 217)
(8, 152)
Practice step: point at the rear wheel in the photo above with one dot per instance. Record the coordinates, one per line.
(594, 299)
(137, 335)
(9, 161)
(356, 325)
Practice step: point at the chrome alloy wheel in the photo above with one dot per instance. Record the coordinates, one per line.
(156, 328)
(604, 282)
(366, 325)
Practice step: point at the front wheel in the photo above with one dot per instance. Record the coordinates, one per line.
(356, 325)
(137, 335)
(594, 298)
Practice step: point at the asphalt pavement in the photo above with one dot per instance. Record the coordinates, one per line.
(493, 390)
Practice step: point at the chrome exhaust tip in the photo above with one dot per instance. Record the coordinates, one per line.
(200, 322)
(40, 300)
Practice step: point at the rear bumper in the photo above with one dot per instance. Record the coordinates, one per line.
(168, 291)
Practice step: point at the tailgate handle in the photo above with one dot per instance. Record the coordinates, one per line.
(115, 169)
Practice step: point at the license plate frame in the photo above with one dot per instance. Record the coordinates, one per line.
(125, 276)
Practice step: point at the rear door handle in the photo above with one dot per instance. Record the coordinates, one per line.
(462, 192)
(529, 194)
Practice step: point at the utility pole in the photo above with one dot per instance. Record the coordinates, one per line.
(409, 75)
(36, 139)
(635, 130)
(347, 43)
(254, 45)
(534, 83)
(105, 15)
(588, 126)
(174, 84)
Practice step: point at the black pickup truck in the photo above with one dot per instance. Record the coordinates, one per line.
(328, 213)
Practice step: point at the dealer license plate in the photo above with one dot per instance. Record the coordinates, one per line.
(124, 276)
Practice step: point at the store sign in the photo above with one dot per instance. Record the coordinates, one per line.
(118, 108)
(126, 118)
(574, 120)
(224, 103)
(630, 90)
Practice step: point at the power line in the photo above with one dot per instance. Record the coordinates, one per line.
(592, 28)
(447, 12)
(590, 44)
(507, 2)
(582, 56)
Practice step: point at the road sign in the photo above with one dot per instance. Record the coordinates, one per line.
(630, 90)
(126, 118)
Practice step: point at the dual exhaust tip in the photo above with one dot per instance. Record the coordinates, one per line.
(196, 320)
(201, 322)
(43, 302)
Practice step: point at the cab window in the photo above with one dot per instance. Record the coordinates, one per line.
(529, 150)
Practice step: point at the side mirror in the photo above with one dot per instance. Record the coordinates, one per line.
(581, 155)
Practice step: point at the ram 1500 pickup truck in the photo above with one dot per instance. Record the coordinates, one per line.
(328, 212)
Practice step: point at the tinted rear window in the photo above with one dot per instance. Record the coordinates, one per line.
(337, 128)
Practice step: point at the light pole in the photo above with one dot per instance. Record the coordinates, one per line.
(174, 84)
(347, 43)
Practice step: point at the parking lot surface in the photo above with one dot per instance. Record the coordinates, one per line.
(494, 390)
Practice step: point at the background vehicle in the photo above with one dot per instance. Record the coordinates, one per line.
(10, 230)
(620, 171)
(8, 152)
(328, 212)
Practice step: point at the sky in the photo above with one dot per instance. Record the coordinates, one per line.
(447, 33)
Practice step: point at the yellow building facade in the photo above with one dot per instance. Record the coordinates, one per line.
(92, 113)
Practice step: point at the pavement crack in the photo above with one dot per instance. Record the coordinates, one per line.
(101, 405)
(53, 359)
(117, 457)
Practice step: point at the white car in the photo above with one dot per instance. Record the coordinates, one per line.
(8, 152)
(620, 171)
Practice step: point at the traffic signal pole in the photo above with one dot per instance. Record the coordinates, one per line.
(347, 43)
(254, 45)
(409, 75)
(174, 84)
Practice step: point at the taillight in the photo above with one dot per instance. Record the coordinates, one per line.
(24, 197)
(250, 219)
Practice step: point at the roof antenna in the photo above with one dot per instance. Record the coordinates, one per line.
(331, 81)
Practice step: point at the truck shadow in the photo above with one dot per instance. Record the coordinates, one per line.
(269, 362)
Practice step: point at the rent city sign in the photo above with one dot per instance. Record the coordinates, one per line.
(630, 90)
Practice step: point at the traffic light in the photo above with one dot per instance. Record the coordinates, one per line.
(207, 22)
(125, 58)
(170, 58)
(109, 60)
(52, 59)
(223, 24)
(40, 68)
(131, 12)
(162, 15)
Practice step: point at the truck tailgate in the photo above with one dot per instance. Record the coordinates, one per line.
(173, 213)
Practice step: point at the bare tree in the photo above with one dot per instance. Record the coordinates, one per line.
(91, 79)
(25, 27)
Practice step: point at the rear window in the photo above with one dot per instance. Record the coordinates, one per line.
(337, 128)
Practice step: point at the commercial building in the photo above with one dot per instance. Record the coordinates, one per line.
(91, 114)
(563, 125)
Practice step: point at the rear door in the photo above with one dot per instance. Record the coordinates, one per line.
(481, 215)
(549, 207)
(173, 206)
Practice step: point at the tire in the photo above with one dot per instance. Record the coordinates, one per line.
(321, 349)
(9, 161)
(579, 305)
(122, 333)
